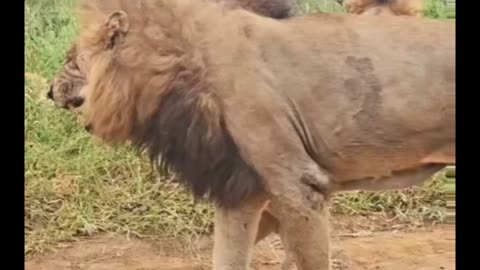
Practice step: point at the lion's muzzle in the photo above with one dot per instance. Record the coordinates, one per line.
(63, 96)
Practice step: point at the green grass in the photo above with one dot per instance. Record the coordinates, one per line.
(75, 186)
(435, 9)
(413, 205)
(309, 6)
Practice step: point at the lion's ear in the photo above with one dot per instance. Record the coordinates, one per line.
(116, 28)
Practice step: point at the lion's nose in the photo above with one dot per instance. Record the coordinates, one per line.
(77, 102)
(50, 92)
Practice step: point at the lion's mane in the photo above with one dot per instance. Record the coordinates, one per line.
(159, 84)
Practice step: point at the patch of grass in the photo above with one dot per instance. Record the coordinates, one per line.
(435, 9)
(75, 186)
(309, 6)
(412, 205)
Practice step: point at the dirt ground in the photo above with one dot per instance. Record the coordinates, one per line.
(358, 244)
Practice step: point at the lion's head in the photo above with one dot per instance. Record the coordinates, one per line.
(66, 85)
(121, 63)
(70, 79)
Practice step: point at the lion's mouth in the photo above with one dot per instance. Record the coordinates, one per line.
(89, 128)
(50, 92)
(68, 99)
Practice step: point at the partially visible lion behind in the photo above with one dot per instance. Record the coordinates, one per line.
(250, 110)
(384, 7)
(277, 9)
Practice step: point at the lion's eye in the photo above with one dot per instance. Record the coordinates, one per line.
(74, 65)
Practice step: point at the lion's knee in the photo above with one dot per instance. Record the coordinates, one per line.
(314, 187)
(315, 190)
(304, 197)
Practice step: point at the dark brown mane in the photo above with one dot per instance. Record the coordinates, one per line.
(187, 134)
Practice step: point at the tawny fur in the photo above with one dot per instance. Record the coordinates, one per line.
(385, 7)
(249, 109)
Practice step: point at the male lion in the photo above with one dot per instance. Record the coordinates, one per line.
(248, 109)
(384, 7)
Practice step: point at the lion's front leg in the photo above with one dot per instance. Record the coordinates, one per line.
(299, 214)
(300, 205)
(235, 234)
(306, 240)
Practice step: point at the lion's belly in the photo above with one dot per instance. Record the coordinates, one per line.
(363, 157)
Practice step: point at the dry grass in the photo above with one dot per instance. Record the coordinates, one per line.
(413, 205)
(76, 187)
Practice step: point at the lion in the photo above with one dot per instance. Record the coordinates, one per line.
(384, 7)
(254, 112)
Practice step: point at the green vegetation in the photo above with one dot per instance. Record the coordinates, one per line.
(75, 186)
(309, 6)
(435, 9)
